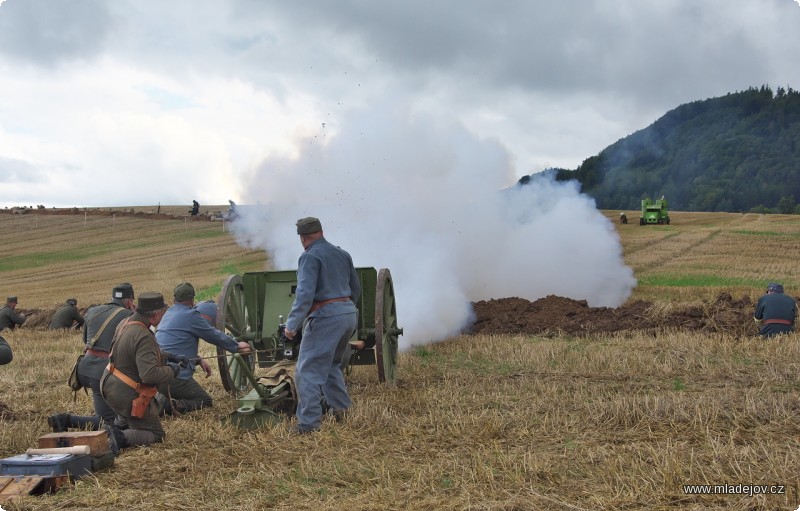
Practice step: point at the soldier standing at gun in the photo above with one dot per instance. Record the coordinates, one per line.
(324, 306)
(9, 317)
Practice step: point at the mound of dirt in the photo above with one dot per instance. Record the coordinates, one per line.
(556, 315)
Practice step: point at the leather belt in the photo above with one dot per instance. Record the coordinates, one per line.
(98, 353)
(777, 322)
(318, 305)
(141, 388)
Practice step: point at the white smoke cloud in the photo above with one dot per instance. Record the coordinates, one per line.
(399, 189)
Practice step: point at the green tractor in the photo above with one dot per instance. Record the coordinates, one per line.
(654, 212)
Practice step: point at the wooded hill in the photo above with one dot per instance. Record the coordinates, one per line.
(735, 153)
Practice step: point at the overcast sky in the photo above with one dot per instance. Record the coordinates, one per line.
(142, 102)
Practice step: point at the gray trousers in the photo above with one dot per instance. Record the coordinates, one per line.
(318, 372)
(145, 431)
(101, 407)
(187, 395)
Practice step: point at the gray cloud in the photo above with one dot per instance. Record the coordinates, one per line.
(45, 32)
(19, 171)
(551, 82)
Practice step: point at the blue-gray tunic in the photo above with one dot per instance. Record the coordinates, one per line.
(777, 313)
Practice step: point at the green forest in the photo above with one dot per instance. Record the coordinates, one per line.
(736, 153)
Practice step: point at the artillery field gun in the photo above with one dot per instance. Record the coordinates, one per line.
(252, 307)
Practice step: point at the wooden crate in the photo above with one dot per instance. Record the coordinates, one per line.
(96, 440)
(14, 487)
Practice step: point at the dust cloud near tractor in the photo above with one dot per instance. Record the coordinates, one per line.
(253, 308)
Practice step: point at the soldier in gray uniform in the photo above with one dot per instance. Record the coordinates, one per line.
(775, 312)
(325, 307)
(98, 334)
(6, 355)
(67, 316)
(9, 317)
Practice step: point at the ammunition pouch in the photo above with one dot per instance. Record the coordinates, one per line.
(146, 392)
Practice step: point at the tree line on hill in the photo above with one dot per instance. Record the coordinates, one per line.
(736, 153)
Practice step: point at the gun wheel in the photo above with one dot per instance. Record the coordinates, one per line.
(386, 330)
(232, 318)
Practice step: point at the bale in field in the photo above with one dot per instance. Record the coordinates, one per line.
(179, 334)
(67, 316)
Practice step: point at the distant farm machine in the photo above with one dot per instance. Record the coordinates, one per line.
(252, 307)
(654, 212)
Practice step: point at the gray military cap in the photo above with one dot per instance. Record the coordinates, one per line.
(775, 287)
(183, 292)
(308, 225)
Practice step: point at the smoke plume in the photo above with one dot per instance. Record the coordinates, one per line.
(434, 204)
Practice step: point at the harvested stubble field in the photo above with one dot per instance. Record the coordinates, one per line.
(575, 408)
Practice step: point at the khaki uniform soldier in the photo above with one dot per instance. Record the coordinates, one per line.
(9, 317)
(136, 367)
(67, 316)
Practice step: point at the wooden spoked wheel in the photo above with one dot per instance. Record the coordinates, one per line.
(232, 318)
(386, 330)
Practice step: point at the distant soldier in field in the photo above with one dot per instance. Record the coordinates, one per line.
(6, 356)
(775, 312)
(98, 334)
(67, 316)
(179, 334)
(195, 208)
(232, 212)
(9, 317)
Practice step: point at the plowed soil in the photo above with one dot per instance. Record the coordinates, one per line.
(555, 315)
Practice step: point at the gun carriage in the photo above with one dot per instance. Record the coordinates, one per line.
(252, 308)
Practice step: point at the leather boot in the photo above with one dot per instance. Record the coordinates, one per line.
(116, 439)
(85, 422)
(59, 422)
